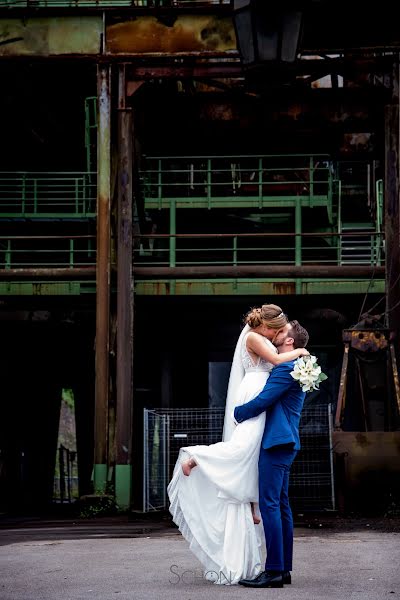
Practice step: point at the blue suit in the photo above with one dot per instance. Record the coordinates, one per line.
(282, 399)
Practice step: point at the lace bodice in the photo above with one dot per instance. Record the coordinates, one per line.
(261, 365)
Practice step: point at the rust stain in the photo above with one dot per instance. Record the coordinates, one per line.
(284, 288)
(367, 340)
(205, 33)
(362, 440)
(47, 36)
(219, 112)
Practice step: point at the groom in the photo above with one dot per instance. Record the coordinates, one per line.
(282, 399)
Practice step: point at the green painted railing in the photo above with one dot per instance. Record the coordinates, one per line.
(27, 252)
(65, 3)
(202, 250)
(379, 205)
(260, 249)
(47, 195)
(108, 3)
(254, 181)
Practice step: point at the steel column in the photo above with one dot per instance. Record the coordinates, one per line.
(123, 470)
(392, 216)
(102, 279)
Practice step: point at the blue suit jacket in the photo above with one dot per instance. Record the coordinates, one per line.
(282, 399)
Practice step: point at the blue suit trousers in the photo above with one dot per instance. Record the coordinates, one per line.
(274, 467)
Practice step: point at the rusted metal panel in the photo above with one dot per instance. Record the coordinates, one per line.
(367, 467)
(183, 34)
(47, 288)
(233, 287)
(367, 340)
(222, 287)
(343, 286)
(50, 36)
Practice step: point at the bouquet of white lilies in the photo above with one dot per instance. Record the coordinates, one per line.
(308, 373)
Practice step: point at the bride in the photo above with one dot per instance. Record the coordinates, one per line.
(214, 507)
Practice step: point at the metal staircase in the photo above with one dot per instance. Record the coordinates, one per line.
(358, 244)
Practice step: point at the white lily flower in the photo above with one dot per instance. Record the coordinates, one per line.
(308, 373)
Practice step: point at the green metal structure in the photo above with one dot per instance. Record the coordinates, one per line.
(55, 195)
(208, 210)
(93, 3)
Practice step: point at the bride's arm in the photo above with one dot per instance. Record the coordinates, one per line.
(256, 344)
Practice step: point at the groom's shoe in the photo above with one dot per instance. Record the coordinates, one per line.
(287, 578)
(267, 579)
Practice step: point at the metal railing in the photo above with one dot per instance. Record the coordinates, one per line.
(215, 181)
(259, 249)
(379, 205)
(38, 251)
(18, 252)
(48, 195)
(66, 484)
(108, 3)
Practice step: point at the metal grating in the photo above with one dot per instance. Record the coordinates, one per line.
(167, 430)
(311, 478)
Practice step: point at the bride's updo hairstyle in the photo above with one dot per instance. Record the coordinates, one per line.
(269, 315)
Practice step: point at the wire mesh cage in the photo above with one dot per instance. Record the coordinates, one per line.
(168, 430)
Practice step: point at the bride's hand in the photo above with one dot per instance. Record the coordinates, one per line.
(304, 352)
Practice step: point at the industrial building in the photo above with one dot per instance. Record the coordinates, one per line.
(165, 166)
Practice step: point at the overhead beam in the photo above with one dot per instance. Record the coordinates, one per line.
(199, 66)
(257, 271)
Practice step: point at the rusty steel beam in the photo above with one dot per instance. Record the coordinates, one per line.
(123, 434)
(198, 67)
(392, 216)
(102, 278)
(395, 374)
(52, 273)
(32, 10)
(342, 388)
(277, 271)
(224, 70)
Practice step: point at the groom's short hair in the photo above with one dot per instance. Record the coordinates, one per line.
(299, 334)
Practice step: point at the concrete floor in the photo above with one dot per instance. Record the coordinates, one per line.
(79, 561)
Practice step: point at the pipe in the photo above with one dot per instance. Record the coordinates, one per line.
(258, 271)
(52, 273)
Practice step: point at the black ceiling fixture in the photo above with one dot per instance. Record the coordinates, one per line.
(267, 32)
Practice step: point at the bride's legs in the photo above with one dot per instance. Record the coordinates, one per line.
(256, 519)
(188, 465)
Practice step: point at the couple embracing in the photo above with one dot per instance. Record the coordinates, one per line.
(218, 492)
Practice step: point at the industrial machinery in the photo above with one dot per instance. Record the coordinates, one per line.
(366, 439)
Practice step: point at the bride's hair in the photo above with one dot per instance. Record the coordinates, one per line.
(270, 315)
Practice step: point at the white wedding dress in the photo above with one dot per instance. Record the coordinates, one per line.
(212, 505)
